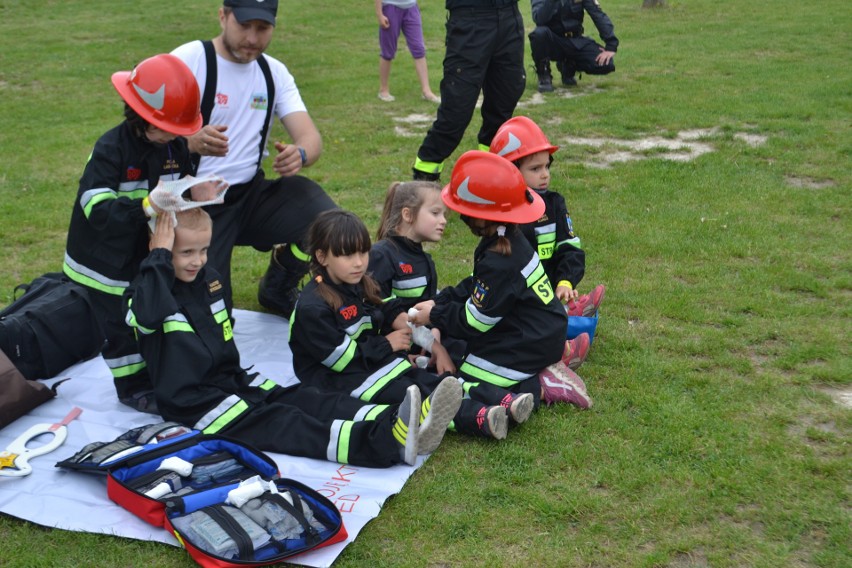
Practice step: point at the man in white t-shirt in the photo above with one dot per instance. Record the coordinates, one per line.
(266, 214)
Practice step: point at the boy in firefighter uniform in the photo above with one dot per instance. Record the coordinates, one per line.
(177, 307)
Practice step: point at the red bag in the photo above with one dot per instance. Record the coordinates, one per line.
(144, 462)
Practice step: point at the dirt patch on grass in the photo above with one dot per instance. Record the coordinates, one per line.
(412, 125)
(696, 559)
(685, 146)
(840, 395)
(806, 182)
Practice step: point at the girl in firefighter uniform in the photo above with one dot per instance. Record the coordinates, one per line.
(413, 214)
(506, 311)
(342, 341)
(178, 311)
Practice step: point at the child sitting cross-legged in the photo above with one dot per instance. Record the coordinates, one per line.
(177, 308)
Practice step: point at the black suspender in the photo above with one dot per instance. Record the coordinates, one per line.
(208, 97)
(270, 95)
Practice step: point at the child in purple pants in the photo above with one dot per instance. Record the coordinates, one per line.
(397, 16)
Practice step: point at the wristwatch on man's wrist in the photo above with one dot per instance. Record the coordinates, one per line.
(303, 154)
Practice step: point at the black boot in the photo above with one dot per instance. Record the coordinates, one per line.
(545, 79)
(424, 176)
(279, 287)
(566, 69)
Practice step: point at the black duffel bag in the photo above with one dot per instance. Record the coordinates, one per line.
(50, 327)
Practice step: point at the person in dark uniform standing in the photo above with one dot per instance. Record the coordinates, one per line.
(484, 53)
(558, 36)
(177, 307)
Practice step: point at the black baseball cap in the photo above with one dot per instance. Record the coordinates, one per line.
(245, 10)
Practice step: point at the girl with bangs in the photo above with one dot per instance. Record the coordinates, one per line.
(340, 338)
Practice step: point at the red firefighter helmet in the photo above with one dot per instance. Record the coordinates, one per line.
(485, 186)
(518, 137)
(163, 91)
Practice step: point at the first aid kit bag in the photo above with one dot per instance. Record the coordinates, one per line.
(222, 499)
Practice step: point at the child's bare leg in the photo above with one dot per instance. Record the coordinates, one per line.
(423, 76)
(384, 76)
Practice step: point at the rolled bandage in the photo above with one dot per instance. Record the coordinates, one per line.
(159, 490)
(248, 490)
(420, 334)
(422, 361)
(177, 465)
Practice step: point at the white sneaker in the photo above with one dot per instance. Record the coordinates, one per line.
(436, 413)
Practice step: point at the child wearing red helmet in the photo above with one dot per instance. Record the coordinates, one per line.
(507, 311)
(108, 233)
(522, 142)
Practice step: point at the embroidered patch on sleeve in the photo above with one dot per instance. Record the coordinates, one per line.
(570, 225)
(406, 268)
(480, 291)
(214, 286)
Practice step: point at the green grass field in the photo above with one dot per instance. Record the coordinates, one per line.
(713, 440)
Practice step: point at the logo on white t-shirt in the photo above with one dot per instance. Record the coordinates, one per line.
(259, 101)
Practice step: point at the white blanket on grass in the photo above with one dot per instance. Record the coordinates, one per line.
(78, 502)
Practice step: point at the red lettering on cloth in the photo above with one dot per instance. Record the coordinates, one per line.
(349, 312)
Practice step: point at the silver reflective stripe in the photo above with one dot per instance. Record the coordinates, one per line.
(257, 381)
(88, 195)
(337, 353)
(479, 316)
(530, 267)
(123, 361)
(354, 329)
(178, 317)
(133, 185)
(218, 411)
(409, 284)
(496, 369)
(375, 377)
(100, 278)
(333, 440)
(551, 228)
(362, 414)
(217, 306)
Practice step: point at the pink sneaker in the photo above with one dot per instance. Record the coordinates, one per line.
(561, 384)
(576, 351)
(588, 304)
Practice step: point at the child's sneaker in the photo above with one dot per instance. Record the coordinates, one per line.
(436, 413)
(406, 428)
(561, 384)
(588, 304)
(493, 422)
(576, 351)
(520, 406)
